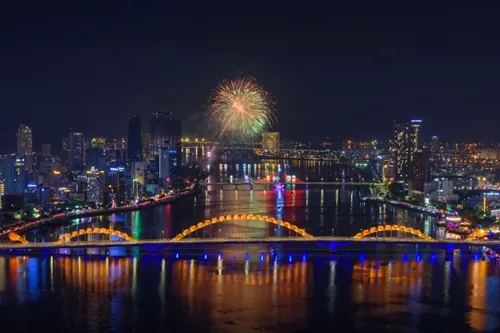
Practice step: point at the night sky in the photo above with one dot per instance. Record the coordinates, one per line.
(334, 71)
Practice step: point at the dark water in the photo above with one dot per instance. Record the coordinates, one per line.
(320, 294)
(147, 293)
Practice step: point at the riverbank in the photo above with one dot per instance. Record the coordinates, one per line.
(426, 210)
(23, 227)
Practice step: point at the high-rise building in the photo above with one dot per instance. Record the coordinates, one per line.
(46, 150)
(65, 148)
(134, 150)
(2, 191)
(435, 148)
(116, 188)
(25, 145)
(146, 154)
(406, 135)
(138, 174)
(164, 164)
(95, 186)
(13, 174)
(164, 131)
(76, 154)
(271, 142)
(420, 169)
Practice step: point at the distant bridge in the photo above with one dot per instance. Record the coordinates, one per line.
(257, 149)
(263, 184)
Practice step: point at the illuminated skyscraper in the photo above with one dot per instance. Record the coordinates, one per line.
(76, 154)
(271, 141)
(134, 141)
(164, 131)
(406, 135)
(25, 145)
(420, 169)
(12, 173)
(95, 185)
(164, 163)
(146, 154)
(2, 191)
(435, 147)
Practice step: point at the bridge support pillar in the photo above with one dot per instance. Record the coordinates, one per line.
(236, 187)
(333, 247)
(449, 250)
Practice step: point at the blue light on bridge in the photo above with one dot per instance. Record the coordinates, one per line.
(362, 257)
(219, 257)
(177, 256)
(247, 256)
(405, 257)
(304, 258)
(289, 258)
(476, 256)
(417, 258)
(433, 257)
(205, 256)
(262, 257)
(276, 258)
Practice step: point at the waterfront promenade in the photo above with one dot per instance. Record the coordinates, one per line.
(422, 209)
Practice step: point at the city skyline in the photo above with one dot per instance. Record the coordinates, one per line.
(249, 167)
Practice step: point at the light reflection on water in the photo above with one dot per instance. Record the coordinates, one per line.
(320, 211)
(124, 294)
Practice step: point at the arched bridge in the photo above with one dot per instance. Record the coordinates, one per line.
(391, 228)
(235, 217)
(478, 234)
(94, 231)
(16, 238)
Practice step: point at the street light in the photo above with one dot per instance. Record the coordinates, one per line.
(332, 231)
(219, 232)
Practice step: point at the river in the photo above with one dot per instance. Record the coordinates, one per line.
(322, 211)
(308, 292)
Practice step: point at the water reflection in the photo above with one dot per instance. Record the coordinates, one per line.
(315, 209)
(241, 295)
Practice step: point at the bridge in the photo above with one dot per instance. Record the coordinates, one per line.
(373, 235)
(268, 184)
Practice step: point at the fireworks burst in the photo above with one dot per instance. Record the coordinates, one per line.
(241, 108)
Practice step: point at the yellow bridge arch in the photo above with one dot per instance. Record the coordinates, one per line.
(236, 217)
(93, 231)
(388, 227)
(477, 234)
(16, 238)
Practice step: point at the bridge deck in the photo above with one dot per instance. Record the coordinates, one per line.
(339, 240)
